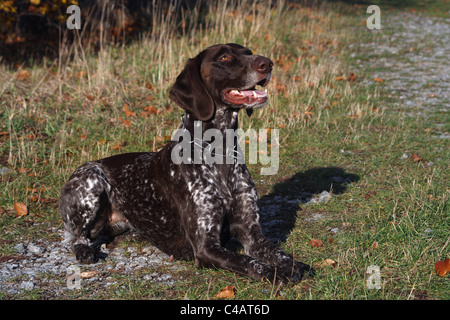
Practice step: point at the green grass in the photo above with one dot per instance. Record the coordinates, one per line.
(57, 120)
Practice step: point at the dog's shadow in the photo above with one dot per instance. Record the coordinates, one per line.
(278, 210)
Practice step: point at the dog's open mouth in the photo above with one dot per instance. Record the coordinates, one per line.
(251, 97)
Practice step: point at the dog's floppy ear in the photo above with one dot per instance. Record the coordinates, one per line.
(190, 93)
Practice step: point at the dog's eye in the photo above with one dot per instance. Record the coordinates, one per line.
(224, 58)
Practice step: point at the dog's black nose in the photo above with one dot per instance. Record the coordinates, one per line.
(263, 64)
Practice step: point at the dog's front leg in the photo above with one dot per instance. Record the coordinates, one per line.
(244, 224)
(204, 236)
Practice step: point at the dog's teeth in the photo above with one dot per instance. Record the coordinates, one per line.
(265, 90)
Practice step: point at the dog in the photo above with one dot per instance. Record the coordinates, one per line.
(187, 210)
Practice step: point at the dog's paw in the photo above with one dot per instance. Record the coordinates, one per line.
(293, 273)
(304, 269)
(85, 254)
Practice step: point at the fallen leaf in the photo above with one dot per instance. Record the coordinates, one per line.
(81, 74)
(315, 243)
(103, 141)
(23, 170)
(21, 209)
(376, 79)
(370, 194)
(116, 147)
(22, 75)
(325, 264)
(126, 123)
(374, 246)
(151, 109)
(226, 293)
(33, 174)
(88, 274)
(351, 77)
(442, 268)
(144, 114)
(128, 112)
(340, 78)
(353, 116)
(83, 137)
(416, 157)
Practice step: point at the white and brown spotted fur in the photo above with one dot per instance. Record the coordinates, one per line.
(186, 210)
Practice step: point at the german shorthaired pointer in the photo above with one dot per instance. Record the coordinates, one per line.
(186, 210)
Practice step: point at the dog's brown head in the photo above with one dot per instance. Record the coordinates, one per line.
(222, 76)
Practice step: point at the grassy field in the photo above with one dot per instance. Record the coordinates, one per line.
(336, 134)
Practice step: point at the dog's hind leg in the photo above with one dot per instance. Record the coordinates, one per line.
(85, 207)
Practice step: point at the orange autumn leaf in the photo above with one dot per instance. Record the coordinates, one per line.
(128, 112)
(376, 79)
(442, 268)
(21, 209)
(126, 123)
(88, 274)
(149, 86)
(416, 157)
(315, 243)
(22, 75)
(103, 141)
(353, 116)
(144, 114)
(226, 293)
(151, 109)
(327, 263)
(116, 147)
(81, 74)
(351, 77)
(83, 137)
(339, 78)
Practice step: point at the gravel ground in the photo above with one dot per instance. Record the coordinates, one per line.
(410, 53)
(48, 266)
